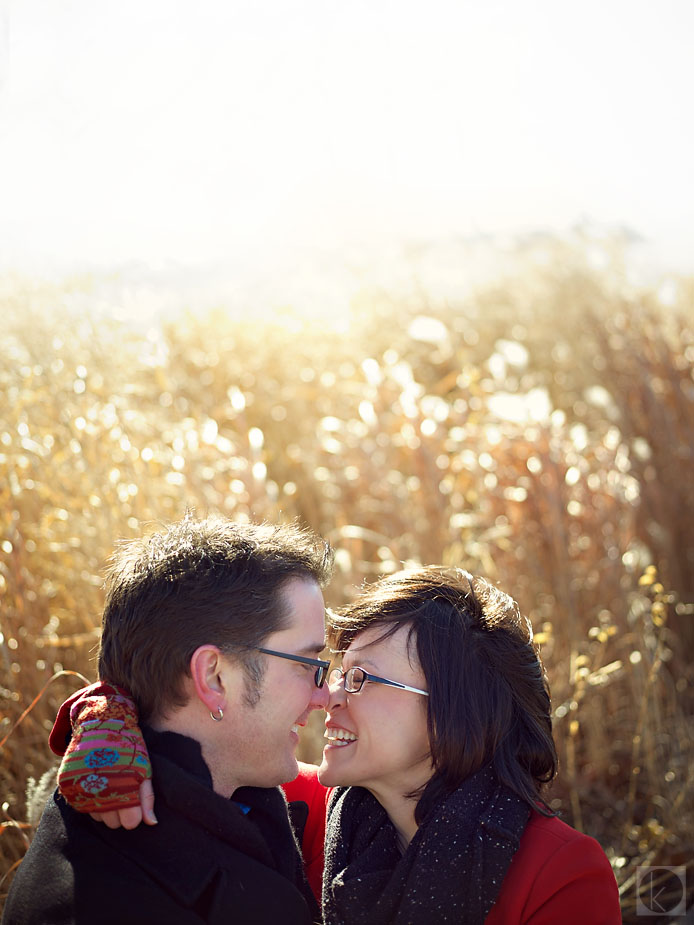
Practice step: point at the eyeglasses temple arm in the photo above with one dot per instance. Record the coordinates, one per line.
(403, 687)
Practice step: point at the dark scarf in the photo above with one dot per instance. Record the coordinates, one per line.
(452, 870)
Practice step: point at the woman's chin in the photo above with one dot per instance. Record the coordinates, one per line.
(328, 773)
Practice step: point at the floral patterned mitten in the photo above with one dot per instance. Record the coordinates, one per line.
(105, 758)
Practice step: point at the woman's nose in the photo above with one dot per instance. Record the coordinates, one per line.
(336, 693)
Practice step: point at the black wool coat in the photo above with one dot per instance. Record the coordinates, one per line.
(207, 860)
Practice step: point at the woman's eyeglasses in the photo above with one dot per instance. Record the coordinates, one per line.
(321, 666)
(355, 677)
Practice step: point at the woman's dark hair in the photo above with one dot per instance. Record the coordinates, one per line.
(199, 582)
(488, 693)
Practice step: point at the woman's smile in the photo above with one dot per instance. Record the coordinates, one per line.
(338, 737)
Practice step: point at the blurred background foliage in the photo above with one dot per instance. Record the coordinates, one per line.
(540, 431)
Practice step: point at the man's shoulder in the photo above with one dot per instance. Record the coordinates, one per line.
(45, 877)
(53, 834)
(64, 838)
(167, 872)
(73, 860)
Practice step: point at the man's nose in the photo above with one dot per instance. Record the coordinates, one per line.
(319, 698)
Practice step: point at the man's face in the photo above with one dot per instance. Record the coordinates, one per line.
(259, 743)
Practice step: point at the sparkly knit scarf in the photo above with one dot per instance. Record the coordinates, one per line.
(452, 870)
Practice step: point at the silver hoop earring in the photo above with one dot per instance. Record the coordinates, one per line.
(219, 718)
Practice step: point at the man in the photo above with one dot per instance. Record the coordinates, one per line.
(214, 628)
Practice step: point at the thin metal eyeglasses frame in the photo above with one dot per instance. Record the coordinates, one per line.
(371, 677)
(321, 665)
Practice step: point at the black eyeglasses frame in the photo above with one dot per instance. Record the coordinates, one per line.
(321, 665)
(376, 679)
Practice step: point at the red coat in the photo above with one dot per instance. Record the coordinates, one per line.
(557, 874)
(306, 789)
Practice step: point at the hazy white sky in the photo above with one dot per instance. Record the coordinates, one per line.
(239, 129)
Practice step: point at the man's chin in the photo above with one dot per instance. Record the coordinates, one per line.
(290, 771)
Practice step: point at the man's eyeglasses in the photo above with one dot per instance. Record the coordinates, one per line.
(354, 679)
(321, 666)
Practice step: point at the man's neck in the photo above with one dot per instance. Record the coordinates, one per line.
(185, 722)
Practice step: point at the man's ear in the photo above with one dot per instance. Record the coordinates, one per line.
(211, 678)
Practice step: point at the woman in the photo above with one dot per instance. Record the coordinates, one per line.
(439, 742)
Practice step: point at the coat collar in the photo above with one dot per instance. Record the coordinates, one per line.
(184, 794)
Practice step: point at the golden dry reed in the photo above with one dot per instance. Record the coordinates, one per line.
(541, 432)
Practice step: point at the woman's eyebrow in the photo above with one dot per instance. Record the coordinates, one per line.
(361, 662)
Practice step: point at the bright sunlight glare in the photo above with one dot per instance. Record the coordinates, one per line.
(263, 137)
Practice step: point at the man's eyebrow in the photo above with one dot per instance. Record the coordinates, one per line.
(313, 648)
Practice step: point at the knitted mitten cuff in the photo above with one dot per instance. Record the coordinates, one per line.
(105, 758)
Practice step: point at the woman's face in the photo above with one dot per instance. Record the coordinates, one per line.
(378, 738)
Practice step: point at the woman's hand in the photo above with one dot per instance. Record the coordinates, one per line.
(105, 762)
(131, 817)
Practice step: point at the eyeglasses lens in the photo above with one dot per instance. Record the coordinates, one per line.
(354, 679)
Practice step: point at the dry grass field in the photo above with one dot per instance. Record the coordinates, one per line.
(540, 433)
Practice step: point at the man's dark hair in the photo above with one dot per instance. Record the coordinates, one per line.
(199, 582)
(488, 693)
